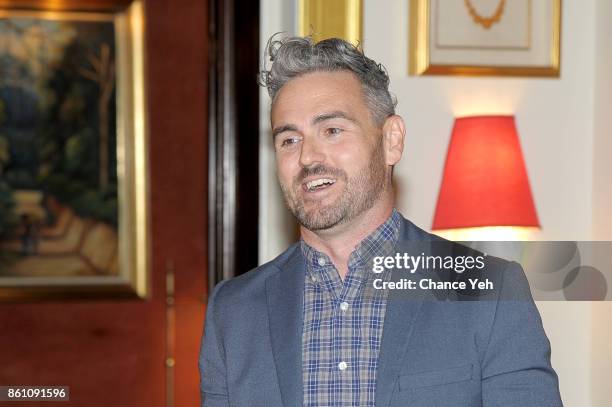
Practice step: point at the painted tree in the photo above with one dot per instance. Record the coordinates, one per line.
(102, 72)
(7, 203)
(4, 144)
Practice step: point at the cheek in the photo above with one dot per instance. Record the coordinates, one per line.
(350, 158)
(286, 168)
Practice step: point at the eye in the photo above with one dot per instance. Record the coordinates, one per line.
(289, 141)
(333, 131)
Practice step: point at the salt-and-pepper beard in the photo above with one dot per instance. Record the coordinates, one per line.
(360, 193)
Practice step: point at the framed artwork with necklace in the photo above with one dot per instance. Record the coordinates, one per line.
(485, 37)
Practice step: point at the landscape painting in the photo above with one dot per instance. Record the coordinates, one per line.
(59, 195)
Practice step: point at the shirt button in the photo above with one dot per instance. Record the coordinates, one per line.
(321, 261)
(342, 365)
(344, 305)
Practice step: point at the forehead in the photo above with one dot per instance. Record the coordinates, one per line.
(316, 92)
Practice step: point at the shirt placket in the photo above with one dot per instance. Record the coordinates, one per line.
(352, 290)
(333, 287)
(342, 295)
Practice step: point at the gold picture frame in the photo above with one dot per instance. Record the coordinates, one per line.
(323, 19)
(538, 50)
(114, 242)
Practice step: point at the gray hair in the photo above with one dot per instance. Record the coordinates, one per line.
(295, 56)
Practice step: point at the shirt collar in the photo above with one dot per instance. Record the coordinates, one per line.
(378, 243)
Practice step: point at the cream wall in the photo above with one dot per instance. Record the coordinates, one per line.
(602, 198)
(564, 126)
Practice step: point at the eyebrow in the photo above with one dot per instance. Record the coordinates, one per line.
(333, 115)
(316, 120)
(282, 129)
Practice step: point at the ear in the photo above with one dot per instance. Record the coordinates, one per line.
(393, 133)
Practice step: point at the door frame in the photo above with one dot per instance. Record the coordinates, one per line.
(233, 138)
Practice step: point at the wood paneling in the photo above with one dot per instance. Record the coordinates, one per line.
(112, 353)
(178, 119)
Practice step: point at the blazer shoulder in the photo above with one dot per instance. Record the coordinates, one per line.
(242, 289)
(411, 232)
(507, 276)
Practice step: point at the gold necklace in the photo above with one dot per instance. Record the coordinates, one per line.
(486, 22)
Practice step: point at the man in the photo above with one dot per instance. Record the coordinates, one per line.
(309, 328)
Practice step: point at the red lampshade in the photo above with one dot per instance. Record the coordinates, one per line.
(485, 181)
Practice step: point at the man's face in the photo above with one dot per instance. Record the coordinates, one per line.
(330, 156)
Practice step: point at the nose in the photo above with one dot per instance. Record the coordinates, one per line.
(311, 152)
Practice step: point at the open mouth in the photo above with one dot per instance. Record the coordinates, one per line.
(318, 184)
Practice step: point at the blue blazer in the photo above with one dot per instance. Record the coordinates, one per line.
(434, 353)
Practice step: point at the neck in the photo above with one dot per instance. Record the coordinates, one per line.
(340, 241)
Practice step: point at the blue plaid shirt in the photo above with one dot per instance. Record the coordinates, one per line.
(343, 323)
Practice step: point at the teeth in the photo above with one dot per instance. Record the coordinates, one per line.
(313, 184)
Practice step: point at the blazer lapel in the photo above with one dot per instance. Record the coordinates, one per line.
(285, 293)
(400, 316)
(399, 323)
